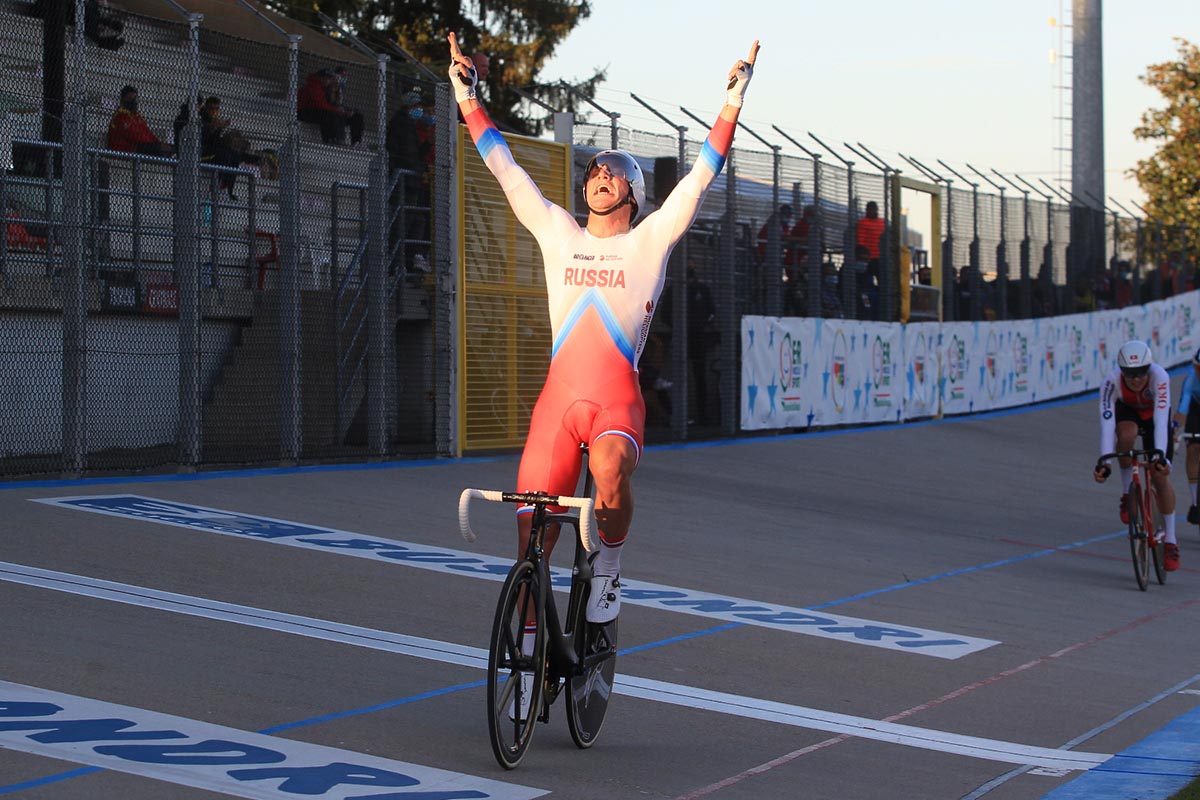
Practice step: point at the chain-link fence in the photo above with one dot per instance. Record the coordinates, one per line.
(235, 240)
(221, 246)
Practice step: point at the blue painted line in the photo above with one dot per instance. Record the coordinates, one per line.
(287, 726)
(1132, 773)
(966, 570)
(625, 652)
(62, 776)
(403, 701)
(681, 638)
(445, 462)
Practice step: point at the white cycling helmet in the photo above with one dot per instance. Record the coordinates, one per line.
(621, 165)
(1134, 358)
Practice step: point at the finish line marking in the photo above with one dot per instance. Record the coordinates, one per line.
(632, 686)
(713, 607)
(229, 761)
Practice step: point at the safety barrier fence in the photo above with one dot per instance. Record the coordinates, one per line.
(246, 285)
(802, 373)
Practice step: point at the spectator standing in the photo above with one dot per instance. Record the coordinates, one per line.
(797, 240)
(868, 234)
(831, 304)
(405, 152)
(866, 287)
(128, 131)
(782, 220)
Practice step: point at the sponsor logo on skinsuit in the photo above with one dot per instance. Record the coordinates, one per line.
(600, 278)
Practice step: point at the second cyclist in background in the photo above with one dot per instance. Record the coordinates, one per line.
(1135, 398)
(1187, 414)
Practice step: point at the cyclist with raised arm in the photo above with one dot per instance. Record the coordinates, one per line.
(1135, 398)
(603, 282)
(1187, 415)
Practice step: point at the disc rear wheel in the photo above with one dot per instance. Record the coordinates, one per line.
(589, 691)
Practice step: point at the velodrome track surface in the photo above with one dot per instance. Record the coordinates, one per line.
(986, 535)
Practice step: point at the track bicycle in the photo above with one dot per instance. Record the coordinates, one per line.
(571, 654)
(1145, 540)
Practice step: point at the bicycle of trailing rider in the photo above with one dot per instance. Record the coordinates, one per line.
(1145, 537)
(524, 679)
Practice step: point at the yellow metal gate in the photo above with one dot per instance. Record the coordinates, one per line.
(504, 326)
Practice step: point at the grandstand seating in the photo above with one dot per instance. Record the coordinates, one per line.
(153, 59)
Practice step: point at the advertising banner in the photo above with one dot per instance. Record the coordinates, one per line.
(800, 372)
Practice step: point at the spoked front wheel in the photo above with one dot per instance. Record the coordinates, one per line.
(1138, 539)
(516, 672)
(588, 692)
(1157, 551)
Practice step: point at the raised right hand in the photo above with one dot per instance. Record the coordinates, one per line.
(462, 72)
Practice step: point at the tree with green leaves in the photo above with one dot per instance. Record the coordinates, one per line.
(1171, 177)
(519, 36)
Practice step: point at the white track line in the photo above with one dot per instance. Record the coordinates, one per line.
(643, 688)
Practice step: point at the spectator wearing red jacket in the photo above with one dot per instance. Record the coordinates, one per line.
(320, 102)
(870, 229)
(128, 131)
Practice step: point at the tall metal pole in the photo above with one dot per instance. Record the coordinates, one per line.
(1087, 135)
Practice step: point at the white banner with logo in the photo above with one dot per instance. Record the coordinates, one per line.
(805, 372)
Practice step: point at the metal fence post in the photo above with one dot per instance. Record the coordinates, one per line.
(291, 404)
(731, 334)
(381, 365)
(75, 292)
(949, 273)
(186, 257)
(446, 267)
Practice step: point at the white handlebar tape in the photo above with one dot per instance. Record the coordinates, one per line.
(584, 504)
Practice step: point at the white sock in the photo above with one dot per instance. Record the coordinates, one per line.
(528, 639)
(1126, 478)
(1169, 528)
(609, 560)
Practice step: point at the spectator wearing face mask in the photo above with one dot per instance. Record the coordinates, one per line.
(405, 153)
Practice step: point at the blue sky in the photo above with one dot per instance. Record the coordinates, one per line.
(962, 80)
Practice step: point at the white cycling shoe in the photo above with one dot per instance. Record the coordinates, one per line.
(604, 602)
(526, 698)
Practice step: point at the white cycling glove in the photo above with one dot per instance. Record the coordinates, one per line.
(739, 79)
(464, 85)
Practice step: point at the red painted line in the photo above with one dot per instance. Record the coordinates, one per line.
(1077, 552)
(954, 695)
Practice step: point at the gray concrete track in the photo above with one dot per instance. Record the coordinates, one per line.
(805, 522)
